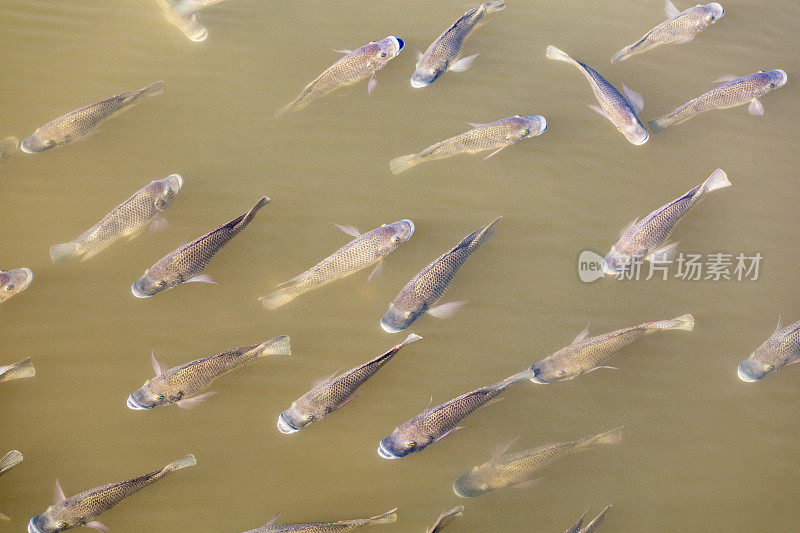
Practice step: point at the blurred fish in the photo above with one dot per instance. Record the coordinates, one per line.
(19, 370)
(82, 509)
(186, 21)
(595, 524)
(424, 289)
(186, 262)
(388, 517)
(435, 423)
(8, 147)
(442, 55)
(587, 354)
(782, 348)
(82, 123)
(352, 68)
(446, 518)
(733, 92)
(622, 111)
(521, 468)
(365, 250)
(492, 136)
(332, 393)
(681, 28)
(184, 384)
(644, 239)
(14, 282)
(191, 6)
(9, 461)
(127, 219)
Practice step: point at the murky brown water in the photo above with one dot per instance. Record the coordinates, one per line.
(703, 451)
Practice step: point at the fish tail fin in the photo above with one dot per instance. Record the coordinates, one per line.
(64, 250)
(154, 89)
(519, 376)
(559, 55)
(10, 460)
(684, 322)
(403, 163)
(598, 520)
(611, 438)
(482, 235)
(278, 346)
(495, 5)
(242, 221)
(389, 517)
(285, 109)
(622, 55)
(183, 462)
(717, 180)
(277, 298)
(658, 125)
(20, 369)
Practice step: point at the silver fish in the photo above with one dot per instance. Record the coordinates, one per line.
(9, 461)
(492, 136)
(186, 262)
(681, 27)
(14, 281)
(733, 92)
(185, 20)
(19, 370)
(8, 147)
(622, 111)
(424, 289)
(782, 348)
(83, 509)
(446, 518)
(352, 68)
(389, 517)
(332, 393)
(442, 55)
(184, 384)
(586, 354)
(435, 423)
(127, 219)
(365, 250)
(82, 123)
(594, 525)
(644, 239)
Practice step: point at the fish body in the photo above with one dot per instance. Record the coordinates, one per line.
(443, 53)
(522, 467)
(424, 289)
(83, 508)
(352, 68)
(437, 422)
(13, 282)
(365, 250)
(186, 262)
(446, 518)
(9, 461)
(586, 354)
(492, 136)
(389, 517)
(185, 384)
(82, 123)
(622, 111)
(644, 239)
(19, 370)
(595, 524)
(681, 27)
(8, 147)
(125, 220)
(782, 348)
(736, 92)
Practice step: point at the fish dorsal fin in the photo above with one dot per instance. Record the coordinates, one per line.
(273, 520)
(158, 368)
(325, 381)
(670, 10)
(58, 494)
(779, 327)
(581, 336)
(350, 230)
(727, 78)
(629, 227)
(476, 124)
(98, 525)
(636, 100)
(501, 449)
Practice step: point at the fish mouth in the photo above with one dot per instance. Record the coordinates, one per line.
(784, 76)
(136, 406)
(462, 493)
(178, 178)
(388, 328)
(284, 426)
(139, 294)
(540, 381)
(607, 270)
(33, 528)
(542, 125)
(399, 43)
(718, 8)
(418, 84)
(24, 146)
(745, 376)
(411, 227)
(640, 142)
(386, 453)
(28, 278)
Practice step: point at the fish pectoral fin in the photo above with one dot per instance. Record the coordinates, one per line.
(344, 51)
(194, 401)
(755, 107)
(373, 81)
(348, 400)
(446, 434)
(503, 448)
(598, 110)
(96, 524)
(670, 10)
(665, 254)
(201, 278)
(684, 40)
(629, 227)
(158, 368)
(159, 223)
(726, 78)
(58, 493)
(350, 230)
(476, 124)
(376, 272)
(526, 484)
(599, 367)
(273, 520)
(636, 100)
(779, 327)
(493, 153)
(463, 64)
(446, 310)
(582, 335)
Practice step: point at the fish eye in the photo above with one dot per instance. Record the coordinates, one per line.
(485, 486)
(62, 525)
(382, 54)
(395, 239)
(310, 417)
(8, 288)
(562, 373)
(769, 367)
(771, 85)
(162, 283)
(159, 397)
(526, 131)
(709, 18)
(411, 444)
(408, 313)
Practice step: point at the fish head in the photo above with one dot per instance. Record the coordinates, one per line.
(427, 71)
(633, 130)
(554, 368)
(155, 279)
(168, 189)
(714, 12)
(14, 281)
(404, 440)
(476, 482)
(148, 396)
(388, 48)
(393, 235)
(772, 79)
(301, 413)
(400, 316)
(38, 142)
(760, 363)
(532, 125)
(615, 262)
(54, 519)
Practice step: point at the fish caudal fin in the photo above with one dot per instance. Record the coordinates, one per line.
(154, 89)
(483, 234)
(684, 322)
(495, 5)
(264, 200)
(20, 369)
(285, 109)
(658, 125)
(612, 438)
(63, 251)
(277, 299)
(559, 55)
(403, 163)
(278, 346)
(10, 460)
(717, 180)
(389, 517)
(183, 462)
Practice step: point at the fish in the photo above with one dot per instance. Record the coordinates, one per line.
(192, 6)
(185, 20)
(681, 27)
(446, 518)
(13, 282)
(443, 53)
(184, 385)
(492, 136)
(520, 469)
(334, 392)
(184, 264)
(594, 525)
(734, 91)
(645, 239)
(353, 67)
(82, 123)
(781, 349)
(83, 509)
(622, 111)
(435, 423)
(125, 220)
(363, 251)
(19, 370)
(388, 517)
(424, 289)
(9, 461)
(8, 147)
(586, 354)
